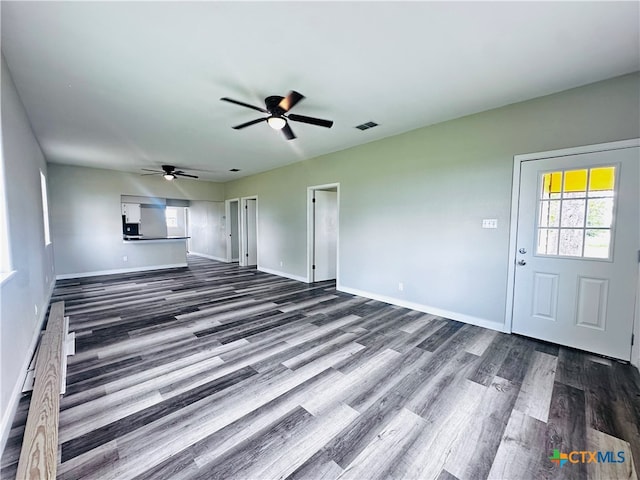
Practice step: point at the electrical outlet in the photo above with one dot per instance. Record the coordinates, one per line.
(281, 263)
(35, 308)
(125, 258)
(401, 286)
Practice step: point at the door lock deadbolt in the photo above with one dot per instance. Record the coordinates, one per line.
(523, 251)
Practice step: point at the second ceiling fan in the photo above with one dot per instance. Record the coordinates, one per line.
(278, 109)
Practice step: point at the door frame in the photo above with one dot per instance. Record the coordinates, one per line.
(227, 216)
(243, 234)
(187, 228)
(311, 227)
(515, 201)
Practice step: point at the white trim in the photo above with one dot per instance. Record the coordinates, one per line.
(310, 227)
(16, 394)
(299, 278)
(144, 241)
(66, 276)
(564, 152)
(227, 216)
(635, 348)
(461, 317)
(210, 257)
(5, 276)
(513, 234)
(515, 200)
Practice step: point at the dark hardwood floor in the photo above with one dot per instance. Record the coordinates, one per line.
(221, 372)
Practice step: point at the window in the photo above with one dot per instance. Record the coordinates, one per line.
(171, 214)
(575, 213)
(45, 208)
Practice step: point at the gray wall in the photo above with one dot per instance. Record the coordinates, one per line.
(411, 205)
(24, 296)
(86, 218)
(207, 229)
(153, 222)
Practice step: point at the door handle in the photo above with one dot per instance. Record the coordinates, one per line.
(522, 262)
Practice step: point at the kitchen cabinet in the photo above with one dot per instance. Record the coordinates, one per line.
(131, 212)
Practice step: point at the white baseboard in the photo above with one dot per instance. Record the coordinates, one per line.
(16, 392)
(210, 257)
(283, 274)
(460, 317)
(66, 276)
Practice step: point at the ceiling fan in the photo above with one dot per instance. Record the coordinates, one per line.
(169, 172)
(278, 107)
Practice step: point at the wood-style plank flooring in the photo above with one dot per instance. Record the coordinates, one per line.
(220, 372)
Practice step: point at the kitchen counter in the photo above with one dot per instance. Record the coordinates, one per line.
(142, 238)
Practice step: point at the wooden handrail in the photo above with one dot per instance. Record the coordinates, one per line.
(39, 454)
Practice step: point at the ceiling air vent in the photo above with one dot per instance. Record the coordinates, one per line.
(366, 126)
(234, 169)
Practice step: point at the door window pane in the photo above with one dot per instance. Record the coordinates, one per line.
(573, 213)
(571, 242)
(548, 241)
(550, 213)
(551, 185)
(600, 212)
(602, 179)
(597, 243)
(581, 203)
(575, 181)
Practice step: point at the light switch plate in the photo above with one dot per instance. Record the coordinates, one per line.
(489, 223)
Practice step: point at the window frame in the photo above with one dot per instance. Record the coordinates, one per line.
(584, 228)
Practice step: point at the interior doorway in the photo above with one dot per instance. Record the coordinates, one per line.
(323, 206)
(249, 231)
(232, 214)
(187, 227)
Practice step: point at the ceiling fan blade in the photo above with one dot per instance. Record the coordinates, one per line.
(288, 102)
(311, 120)
(185, 175)
(149, 170)
(288, 133)
(242, 104)
(248, 124)
(156, 173)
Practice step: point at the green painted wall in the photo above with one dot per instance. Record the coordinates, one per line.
(86, 222)
(411, 205)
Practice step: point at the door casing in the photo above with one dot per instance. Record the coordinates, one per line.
(311, 226)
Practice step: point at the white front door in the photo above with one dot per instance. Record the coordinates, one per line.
(325, 235)
(577, 250)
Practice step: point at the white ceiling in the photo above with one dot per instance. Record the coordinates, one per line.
(126, 86)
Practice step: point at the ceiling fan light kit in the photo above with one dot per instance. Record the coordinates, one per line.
(277, 123)
(169, 172)
(278, 109)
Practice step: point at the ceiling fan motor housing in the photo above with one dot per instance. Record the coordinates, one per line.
(272, 104)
